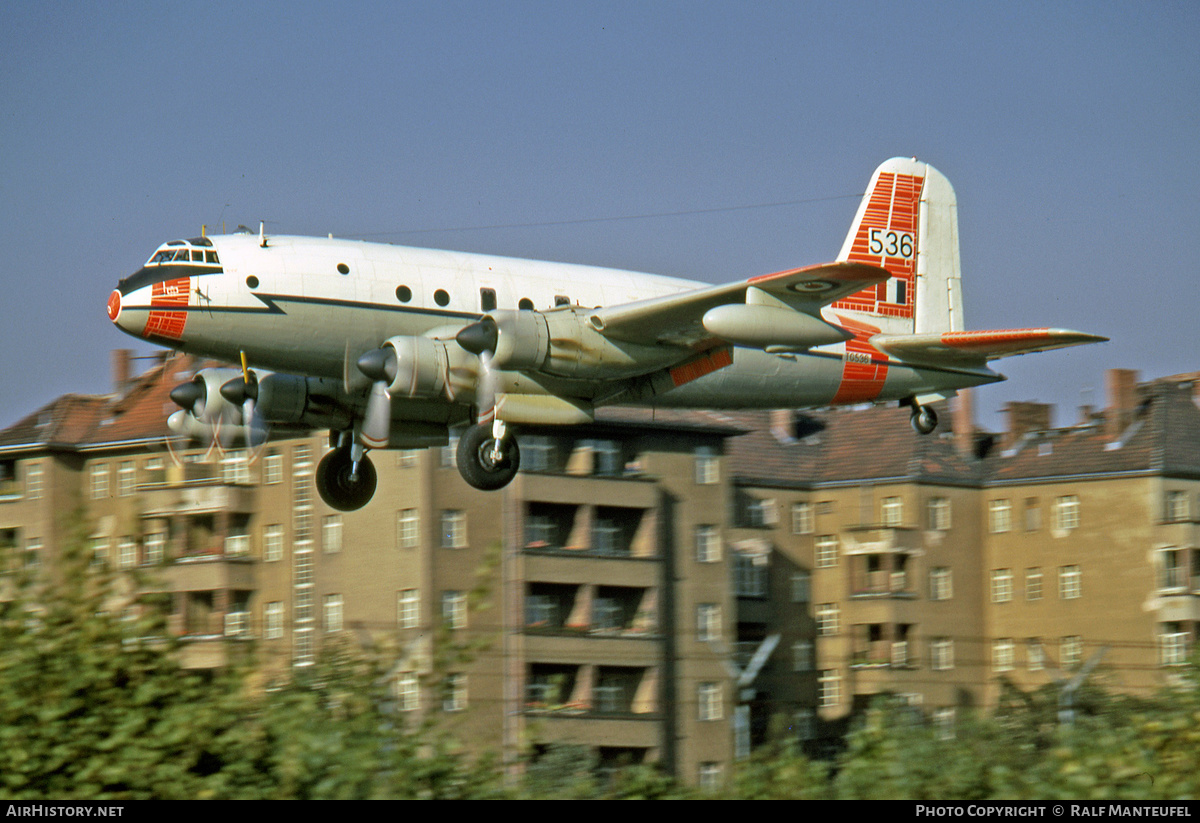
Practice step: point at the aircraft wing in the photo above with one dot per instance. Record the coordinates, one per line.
(676, 318)
(975, 348)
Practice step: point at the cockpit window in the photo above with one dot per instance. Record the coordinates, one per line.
(182, 251)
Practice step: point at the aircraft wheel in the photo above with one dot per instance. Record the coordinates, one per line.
(476, 463)
(924, 419)
(336, 486)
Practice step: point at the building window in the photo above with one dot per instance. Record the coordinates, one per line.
(408, 609)
(801, 587)
(455, 695)
(760, 513)
(802, 518)
(827, 551)
(99, 481)
(333, 612)
(1071, 650)
(126, 477)
(408, 534)
(1033, 583)
(829, 689)
(454, 529)
(331, 534)
(235, 468)
(537, 454)
(999, 516)
(708, 466)
(1170, 570)
(273, 621)
(33, 553)
(941, 654)
(939, 514)
(1002, 655)
(827, 619)
(1033, 514)
(1172, 644)
(1035, 654)
(1070, 582)
(606, 458)
(750, 574)
(273, 543)
(273, 468)
(454, 609)
(1066, 512)
(156, 546)
(941, 583)
(126, 553)
(408, 692)
(99, 552)
(1176, 507)
(711, 707)
(709, 776)
(606, 536)
(892, 512)
(802, 656)
(708, 544)
(708, 622)
(33, 481)
(1002, 585)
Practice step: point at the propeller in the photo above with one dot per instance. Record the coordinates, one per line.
(380, 366)
(243, 391)
(480, 338)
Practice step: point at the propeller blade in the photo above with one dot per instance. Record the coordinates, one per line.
(485, 392)
(380, 366)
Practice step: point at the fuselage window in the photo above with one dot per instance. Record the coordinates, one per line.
(525, 304)
(487, 299)
(343, 268)
(562, 300)
(403, 294)
(441, 297)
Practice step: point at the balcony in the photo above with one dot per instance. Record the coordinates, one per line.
(879, 539)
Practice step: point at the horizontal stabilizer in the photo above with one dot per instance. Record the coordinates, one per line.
(975, 348)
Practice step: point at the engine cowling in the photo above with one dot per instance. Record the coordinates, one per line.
(563, 343)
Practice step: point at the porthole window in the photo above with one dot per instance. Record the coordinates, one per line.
(441, 297)
(525, 304)
(343, 268)
(252, 282)
(403, 294)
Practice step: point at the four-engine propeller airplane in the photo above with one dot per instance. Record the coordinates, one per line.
(389, 346)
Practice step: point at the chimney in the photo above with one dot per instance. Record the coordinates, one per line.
(1121, 386)
(1024, 417)
(783, 425)
(963, 423)
(121, 362)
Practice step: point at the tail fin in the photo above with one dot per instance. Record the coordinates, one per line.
(907, 223)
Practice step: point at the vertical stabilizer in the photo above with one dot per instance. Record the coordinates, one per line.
(907, 223)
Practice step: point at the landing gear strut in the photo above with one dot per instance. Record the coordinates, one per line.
(924, 419)
(344, 482)
(488, 459)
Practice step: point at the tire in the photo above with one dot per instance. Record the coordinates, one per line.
(335, 486)
(924, 419)
(475, 465)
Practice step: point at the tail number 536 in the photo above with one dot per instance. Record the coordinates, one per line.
(890, 243)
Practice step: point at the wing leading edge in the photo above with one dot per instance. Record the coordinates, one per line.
(678, 318)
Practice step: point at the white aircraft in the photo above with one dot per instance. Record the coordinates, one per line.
(389, 346)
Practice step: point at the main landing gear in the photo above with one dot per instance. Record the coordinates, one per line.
(924, 419)
(488, 457)
(346, 478)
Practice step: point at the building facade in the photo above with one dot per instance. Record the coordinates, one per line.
(661, 587)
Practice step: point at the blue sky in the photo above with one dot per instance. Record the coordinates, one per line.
(1068, 130)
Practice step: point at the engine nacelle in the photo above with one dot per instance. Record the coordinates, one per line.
(563, 343)
(422, 366)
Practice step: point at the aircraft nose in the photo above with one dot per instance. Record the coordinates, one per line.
(114, 305)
